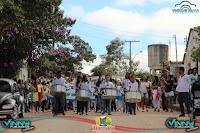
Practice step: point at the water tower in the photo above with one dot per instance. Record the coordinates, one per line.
(157, 55)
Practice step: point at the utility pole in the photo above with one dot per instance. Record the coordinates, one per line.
(176, 51)
(130, 54)
(169, 51)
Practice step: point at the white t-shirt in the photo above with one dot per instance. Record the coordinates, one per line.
(125, 82)
(133, 86)
(60, 81)
(98, 89)
(143, 87)
(85, 85)
(108, 85)
(183, 84)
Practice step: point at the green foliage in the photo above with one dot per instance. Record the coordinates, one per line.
(63, 58)
(139, 74)
(114, 51)
(115, 62)
(32, 27)
(102, 70)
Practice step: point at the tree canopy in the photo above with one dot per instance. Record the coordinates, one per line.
(29, 28)
(115, 61)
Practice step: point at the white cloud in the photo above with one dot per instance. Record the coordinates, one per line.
(137, 2)
(163, 21)
(129, 2)
(87, 67)
(141, 57)
(73, 11)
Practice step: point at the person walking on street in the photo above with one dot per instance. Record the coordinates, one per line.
(85, 85)
(118, 100)
(36, 96)
(59, 97)
(163, 98)
(125, 82)
(168, 92)
(174, 89)
(144, 92)
(98, 93)
(133, 86)
(107, 84)
(182, 90)
(194, 75)
(44, 96)
(156, 92)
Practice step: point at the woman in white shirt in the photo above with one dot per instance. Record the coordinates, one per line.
(98, 92)
(133, 86)
(144, 85)
(107, 84)
(85, 85)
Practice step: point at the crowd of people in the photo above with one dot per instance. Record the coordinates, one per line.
(155, 93)
(36, 94)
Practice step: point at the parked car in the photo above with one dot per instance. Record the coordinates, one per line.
(11, 102)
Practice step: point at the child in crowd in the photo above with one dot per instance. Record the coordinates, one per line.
(118, 100)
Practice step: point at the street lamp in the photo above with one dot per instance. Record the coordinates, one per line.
(136, 54)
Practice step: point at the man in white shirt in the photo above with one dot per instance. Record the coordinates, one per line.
(125, 83)
(133, 86)
(107, 84)
(182, 90)
(59, 98)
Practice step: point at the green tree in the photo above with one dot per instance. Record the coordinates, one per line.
(102, 70)
(63, 58)
(140, 73)
(114, 62)
(32, 27)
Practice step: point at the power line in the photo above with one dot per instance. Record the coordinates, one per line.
(95, 26)
(93, 30)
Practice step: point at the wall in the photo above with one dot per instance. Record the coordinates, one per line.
(192, 42)
(23, 74)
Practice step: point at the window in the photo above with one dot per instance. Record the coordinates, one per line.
(5, 86)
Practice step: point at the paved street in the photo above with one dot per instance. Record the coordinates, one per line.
(82, 124)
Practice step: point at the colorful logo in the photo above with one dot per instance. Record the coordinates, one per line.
(185, 7)
(103, 123)
(25, 125)
(174, 123)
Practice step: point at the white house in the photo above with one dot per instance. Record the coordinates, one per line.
(192, 41)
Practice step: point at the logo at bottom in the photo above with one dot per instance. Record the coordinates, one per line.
(103, 123)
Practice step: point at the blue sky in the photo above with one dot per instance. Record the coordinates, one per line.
(150, 21)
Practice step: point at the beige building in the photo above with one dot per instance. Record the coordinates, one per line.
(192, 41)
